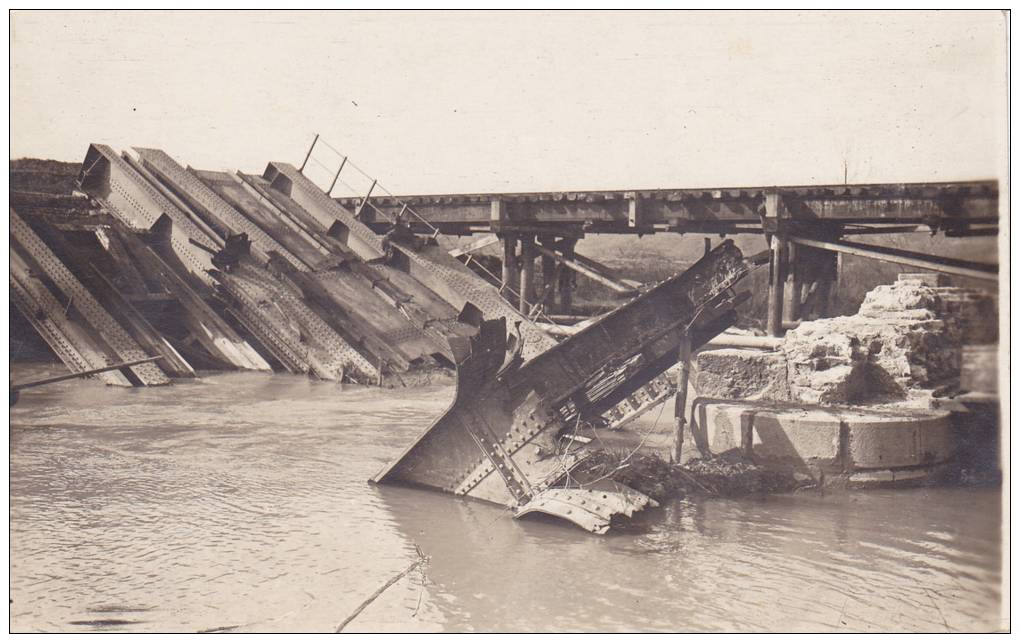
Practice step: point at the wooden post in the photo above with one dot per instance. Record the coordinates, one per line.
(634, 219)
(680, 404)
(794, 281)
(527, 291)
(777, 271)
(566, 281)
(776, 282)
(548, 275)
(509, 265)
(833, 268)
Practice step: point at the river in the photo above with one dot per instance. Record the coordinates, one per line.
(241, 501)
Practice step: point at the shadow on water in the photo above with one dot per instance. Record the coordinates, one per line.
(101, 624)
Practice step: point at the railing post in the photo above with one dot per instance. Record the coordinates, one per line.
(337, 176)
(364, 201)
(309, 154)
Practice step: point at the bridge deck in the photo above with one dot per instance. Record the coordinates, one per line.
(731, 210)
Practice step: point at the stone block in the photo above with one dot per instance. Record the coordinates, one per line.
(886, 300)
(975, 314)
(807, 437)
(845, 439)
(924, 279)
(720, 427)
(886, 477)
(779, 434)
(742, 374)
(913, 353)
(898, 438)
(840, 384)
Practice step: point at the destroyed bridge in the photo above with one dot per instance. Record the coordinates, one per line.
(177, 269)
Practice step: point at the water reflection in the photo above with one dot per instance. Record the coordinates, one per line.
(241, 501)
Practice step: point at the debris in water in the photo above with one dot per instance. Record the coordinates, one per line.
(422, 560)
(651, 474)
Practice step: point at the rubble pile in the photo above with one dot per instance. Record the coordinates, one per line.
(904, 343)
(754, 375)
(895, 343)
(729, 475)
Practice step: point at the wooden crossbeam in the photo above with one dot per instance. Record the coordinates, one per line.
(474, 246)
(920, 260)
(586, 270)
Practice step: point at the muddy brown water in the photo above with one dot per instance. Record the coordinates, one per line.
(240, 502)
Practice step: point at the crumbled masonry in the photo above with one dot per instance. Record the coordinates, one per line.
(903, 342)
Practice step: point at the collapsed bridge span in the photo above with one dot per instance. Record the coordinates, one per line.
(312, 288)
(508, 438)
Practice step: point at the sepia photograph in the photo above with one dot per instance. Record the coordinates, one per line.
(508, 321)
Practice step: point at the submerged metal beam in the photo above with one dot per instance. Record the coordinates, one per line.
(198, 194)
(505, 437)
(201, 229)
(15, 390)
(202, 198)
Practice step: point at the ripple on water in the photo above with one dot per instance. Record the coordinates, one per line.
(241, 502)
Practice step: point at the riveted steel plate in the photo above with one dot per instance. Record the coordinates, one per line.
(101, 323)
(431, 265)
(502, 439)
(197, 191)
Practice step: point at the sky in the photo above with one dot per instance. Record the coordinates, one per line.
(451, 102)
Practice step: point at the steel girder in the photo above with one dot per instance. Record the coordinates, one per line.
(502, 440)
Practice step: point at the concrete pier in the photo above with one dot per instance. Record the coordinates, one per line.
(867, 443)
